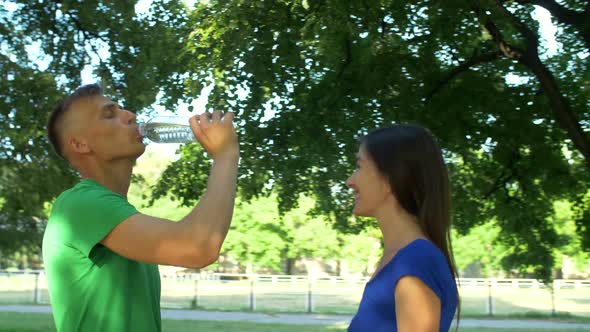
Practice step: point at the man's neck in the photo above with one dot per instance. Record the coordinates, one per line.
(115, 176)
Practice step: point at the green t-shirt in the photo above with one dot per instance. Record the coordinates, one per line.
(91, 288)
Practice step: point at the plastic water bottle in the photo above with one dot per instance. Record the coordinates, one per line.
(167, 129)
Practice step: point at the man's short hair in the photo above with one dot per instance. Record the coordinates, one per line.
(57, 115)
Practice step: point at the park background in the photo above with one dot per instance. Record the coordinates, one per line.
(504, 85)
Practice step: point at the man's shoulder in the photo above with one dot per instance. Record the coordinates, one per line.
(70, 205)
(84, 192)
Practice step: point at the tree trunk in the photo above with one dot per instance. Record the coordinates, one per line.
(249, 268)
(289, 264)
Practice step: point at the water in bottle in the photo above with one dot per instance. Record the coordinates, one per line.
(167, 129)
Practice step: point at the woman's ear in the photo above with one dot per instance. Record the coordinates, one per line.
(387, 185)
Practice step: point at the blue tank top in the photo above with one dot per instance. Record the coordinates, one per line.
(421, 259)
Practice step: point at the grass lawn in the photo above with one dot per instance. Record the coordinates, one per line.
(33, 322)
(564, 317)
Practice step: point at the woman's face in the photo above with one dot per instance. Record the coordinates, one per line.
(371, 188)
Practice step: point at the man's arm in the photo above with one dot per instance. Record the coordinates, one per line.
(194, 241)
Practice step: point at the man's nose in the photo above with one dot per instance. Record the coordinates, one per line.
(349, 182)
(131, 117)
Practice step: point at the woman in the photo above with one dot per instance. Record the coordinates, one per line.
(401, 181)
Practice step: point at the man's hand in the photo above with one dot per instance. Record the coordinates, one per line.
(216, 134)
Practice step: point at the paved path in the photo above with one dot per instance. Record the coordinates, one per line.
(311, 319)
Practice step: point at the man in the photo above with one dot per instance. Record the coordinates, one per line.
(100, 253)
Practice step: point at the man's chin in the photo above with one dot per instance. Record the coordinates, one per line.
(140, 152)
(358, 213)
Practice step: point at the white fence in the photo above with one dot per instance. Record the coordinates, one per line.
(285, 293)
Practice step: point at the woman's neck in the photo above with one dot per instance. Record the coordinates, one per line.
(398, 228)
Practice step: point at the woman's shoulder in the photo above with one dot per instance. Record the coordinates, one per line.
(423, 259)
(420, 248)
(420, 254)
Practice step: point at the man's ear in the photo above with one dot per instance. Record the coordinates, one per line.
(77, 145)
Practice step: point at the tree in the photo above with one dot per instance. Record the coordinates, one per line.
(43, 48)
(362, 251)
(331, 70)
(256, 240)
(569, 243)
(481, 252)
(308, 237)
(29, 176)
(306, 78)
(146, 173)
(261, 239)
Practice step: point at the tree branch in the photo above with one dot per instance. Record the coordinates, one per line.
(474, 61)
(505, 176)
(565, 15)
(531, 37)
(88, 35)
(348, 59)
(509, 51)
(560, 106)
(498, 184)
(530, 58)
